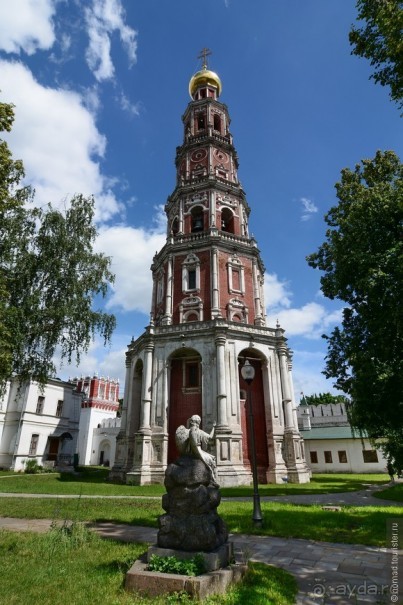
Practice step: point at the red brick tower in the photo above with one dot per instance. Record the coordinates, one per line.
(207, 317)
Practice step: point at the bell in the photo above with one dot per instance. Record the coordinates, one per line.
(198, 224)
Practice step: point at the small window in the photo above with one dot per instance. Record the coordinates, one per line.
(370, 455)
(192, 375)
(59, 408)
(33, 446)
(39, 405)
(314, 457)
(328, 457)
(192, 279)
(342, 456)
(217, 122)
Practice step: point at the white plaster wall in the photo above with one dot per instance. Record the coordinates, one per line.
(353, 448)
(21, 421)
(89, 420)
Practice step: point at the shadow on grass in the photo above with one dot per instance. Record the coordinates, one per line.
(86, 475)
(394, 493)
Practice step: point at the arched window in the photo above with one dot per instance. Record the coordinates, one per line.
(217, 122)
(201, 121)
(175, 226)
(227, 220)
(197, 219)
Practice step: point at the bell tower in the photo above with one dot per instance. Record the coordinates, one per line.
(207, 318)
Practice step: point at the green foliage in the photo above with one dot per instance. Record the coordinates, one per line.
(187, 567)
(362, 261)
(31, 467)
(380, 40)
(49, 276)
(323, 399)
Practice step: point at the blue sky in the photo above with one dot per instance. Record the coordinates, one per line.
(100, 87)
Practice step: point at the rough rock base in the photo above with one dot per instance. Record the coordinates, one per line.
(154, 583)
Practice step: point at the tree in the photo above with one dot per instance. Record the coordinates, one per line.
(362, 261)
(323, 399)
(380, 41)
(49, 276)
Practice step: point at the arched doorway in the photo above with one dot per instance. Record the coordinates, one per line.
(185, 394)
(256, 392)
(105, 453)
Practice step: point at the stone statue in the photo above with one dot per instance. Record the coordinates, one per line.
(191, 522)
(194, 442)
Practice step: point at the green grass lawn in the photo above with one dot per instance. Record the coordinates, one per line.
(80, 568)
(93, 481)
(353, 525)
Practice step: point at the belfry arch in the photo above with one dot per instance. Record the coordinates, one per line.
(185, 392)
(254, 395)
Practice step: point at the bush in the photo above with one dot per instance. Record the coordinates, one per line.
(32, 467)
(188, 567)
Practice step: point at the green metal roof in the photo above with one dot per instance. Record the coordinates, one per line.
(330, 432)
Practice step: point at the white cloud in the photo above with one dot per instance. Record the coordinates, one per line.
(131, 108)
(132, 251)
(309, 208)
(101, 360)
(102, 19)
(26, 25)
(276, 292)
(56, 137)
(310, 321)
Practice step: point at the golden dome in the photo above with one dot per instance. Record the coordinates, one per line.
(202, 78)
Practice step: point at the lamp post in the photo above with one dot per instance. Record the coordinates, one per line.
(248, 374)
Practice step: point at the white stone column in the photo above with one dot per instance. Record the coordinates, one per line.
(222, 416)
(215, 308)
(213, 209)
(256, 293)
(181, 216)
(125, 421)
(168, 298)
(146, 389)
(165, 397)
(286, 388)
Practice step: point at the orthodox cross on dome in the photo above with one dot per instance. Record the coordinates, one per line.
(203, 55)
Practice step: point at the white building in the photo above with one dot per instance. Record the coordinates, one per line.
(99, 425)
(331, 446)
(103, 442)
(38, 425)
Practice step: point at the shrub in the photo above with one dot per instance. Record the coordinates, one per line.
(32, 467)
(188, 567)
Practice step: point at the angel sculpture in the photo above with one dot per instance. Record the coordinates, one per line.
(194, 442)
